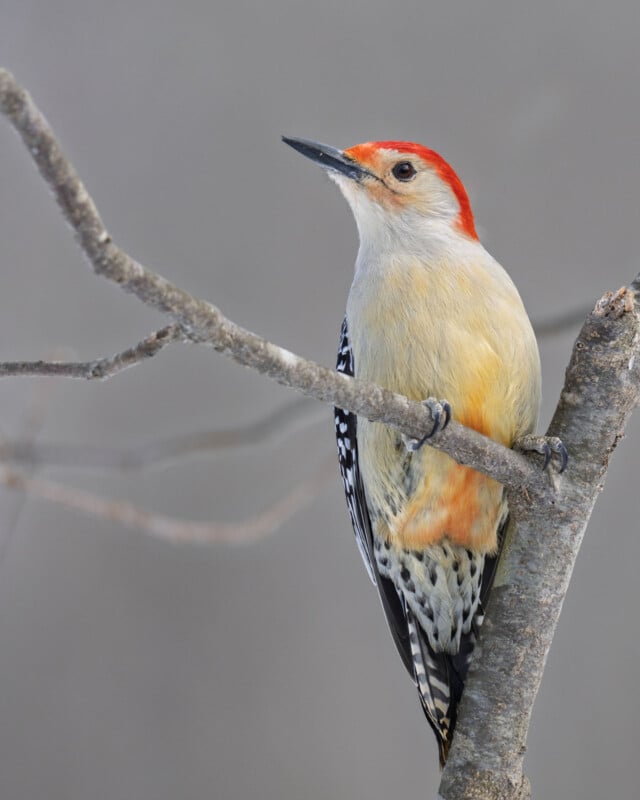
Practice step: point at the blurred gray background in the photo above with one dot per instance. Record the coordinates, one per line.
(131, 668)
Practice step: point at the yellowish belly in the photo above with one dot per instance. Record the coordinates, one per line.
(443, 344)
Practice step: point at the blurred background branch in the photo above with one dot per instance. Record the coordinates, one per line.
(565, 320)
(176, 531)
(296, 415)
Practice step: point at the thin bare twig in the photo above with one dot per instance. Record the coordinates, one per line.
(100, 368)
(295, 415)
(171, 529)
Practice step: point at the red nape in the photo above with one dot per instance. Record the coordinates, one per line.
(446, 173)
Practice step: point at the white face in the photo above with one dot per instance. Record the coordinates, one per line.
(417, 217)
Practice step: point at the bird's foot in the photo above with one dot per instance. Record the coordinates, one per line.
(547, 446)
(441, 414)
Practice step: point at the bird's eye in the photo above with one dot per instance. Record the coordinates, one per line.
(404, 171)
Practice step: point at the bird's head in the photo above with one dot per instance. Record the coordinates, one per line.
(396, 188)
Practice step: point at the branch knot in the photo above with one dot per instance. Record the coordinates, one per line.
(615, 304)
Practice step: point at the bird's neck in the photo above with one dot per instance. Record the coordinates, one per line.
(430, 243)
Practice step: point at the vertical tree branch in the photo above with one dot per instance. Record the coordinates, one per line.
(601, 389)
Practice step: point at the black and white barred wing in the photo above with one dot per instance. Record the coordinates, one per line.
(346, 435)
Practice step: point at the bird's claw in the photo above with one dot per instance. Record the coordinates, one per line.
(441, 414)
(547, 446)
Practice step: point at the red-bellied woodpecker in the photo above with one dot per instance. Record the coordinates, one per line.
(430, 315)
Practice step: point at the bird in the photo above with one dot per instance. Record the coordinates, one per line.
(433, 316)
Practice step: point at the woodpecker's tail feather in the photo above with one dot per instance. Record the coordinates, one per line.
(440, 676)
(439, 684)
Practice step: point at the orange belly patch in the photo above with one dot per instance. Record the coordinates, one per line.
(461, 505)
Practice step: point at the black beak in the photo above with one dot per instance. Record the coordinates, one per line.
(328, 157)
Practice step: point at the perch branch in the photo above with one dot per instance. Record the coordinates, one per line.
(204, 323)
